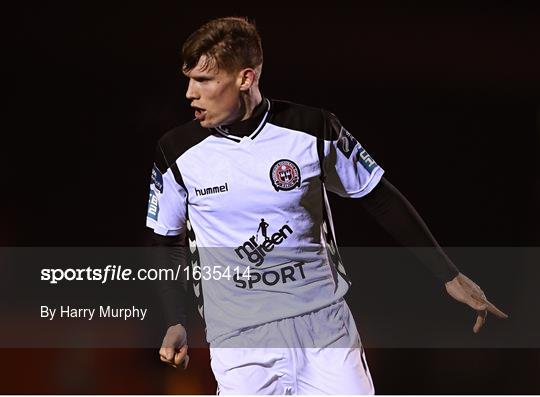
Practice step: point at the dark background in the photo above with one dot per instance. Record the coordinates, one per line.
(444, 97)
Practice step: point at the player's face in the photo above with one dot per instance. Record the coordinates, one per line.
(214, 95)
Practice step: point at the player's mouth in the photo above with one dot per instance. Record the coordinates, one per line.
(200, 113)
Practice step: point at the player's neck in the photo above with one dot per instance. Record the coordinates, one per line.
(250, 101)
(246, 126)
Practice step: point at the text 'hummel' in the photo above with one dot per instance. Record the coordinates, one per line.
(212, 190)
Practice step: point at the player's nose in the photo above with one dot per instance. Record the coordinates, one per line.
(191, 92)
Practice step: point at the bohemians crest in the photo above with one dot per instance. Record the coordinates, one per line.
(285, 175)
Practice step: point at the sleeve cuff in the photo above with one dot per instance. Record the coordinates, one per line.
(158, 229)
(374, 179)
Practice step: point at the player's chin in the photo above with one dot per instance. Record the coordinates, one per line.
(207, 124)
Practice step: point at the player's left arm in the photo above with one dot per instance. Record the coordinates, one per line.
(349, 171)
(399, 218)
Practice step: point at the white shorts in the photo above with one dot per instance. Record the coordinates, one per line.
(314, 353)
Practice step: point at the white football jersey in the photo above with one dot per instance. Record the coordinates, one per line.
(256, 205)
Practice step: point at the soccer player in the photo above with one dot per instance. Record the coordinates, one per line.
(276, 319)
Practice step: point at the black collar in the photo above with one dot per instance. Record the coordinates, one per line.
(250, 126)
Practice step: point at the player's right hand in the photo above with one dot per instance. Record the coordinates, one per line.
(174, 347)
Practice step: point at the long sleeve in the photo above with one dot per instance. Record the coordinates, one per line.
(169, 251)
(399, 218)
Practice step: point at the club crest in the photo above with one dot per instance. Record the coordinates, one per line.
(285, 175)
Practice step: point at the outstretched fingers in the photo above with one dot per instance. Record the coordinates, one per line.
(466, 291)
(494, 310)
(483, 306)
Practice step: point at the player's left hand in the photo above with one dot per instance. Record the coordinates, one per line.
(464, 290)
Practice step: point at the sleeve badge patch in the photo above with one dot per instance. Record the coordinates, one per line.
(153, 206)
(346, 142)
(157, 179)
(365, 159)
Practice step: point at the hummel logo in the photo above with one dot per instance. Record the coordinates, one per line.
(212, 190)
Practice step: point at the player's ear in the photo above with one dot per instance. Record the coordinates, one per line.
(246, 78)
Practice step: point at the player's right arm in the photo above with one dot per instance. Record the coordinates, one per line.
(167, 209)
(170, 252)
(174, 347)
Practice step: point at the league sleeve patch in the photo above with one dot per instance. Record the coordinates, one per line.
(157, 179)
(365, 159)
(346, 142)
(153, 206)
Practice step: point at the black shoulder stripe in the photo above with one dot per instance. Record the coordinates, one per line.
(178, 140)
(178, 176)
(160, 160)
(332, 127)
(310, 120)
(174, 143)
(306, 119)
(165, 165)
(319, 123)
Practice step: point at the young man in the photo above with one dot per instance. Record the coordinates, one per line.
(274, 310)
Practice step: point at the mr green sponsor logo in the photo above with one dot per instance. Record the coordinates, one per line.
(255, 253)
